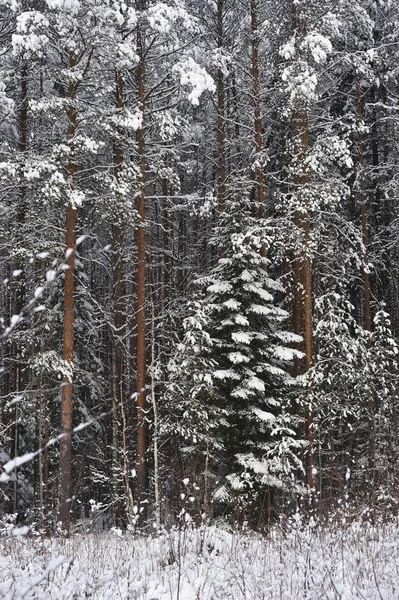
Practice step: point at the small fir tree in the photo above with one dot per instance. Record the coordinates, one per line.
(242, 359)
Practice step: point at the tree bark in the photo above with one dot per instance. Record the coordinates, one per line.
(370, 407)
(303, 275)
(140, 290)
(221, 114)
(289, 283)
(19, 298)
(119, 323)
(363, 204)
(257, 112)
(69, 323)
(302, 262)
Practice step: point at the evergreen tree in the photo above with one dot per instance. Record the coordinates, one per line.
(337, 376)
(245, 389)
(381, 382)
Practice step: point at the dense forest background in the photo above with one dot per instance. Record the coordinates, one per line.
(199, 259)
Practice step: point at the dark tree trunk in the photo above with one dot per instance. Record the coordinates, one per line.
(221, 114)
(119, 408)
(17, 364)
(363, 204)
(257, 111)
(370, 407)
(140, 289)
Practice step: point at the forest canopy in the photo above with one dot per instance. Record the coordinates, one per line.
(199, 303)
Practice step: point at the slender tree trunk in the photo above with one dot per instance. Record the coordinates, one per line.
(69, 323)
(302, 263)
(155, 439)
(289, 283)
(16, 350)
(363, 204)
(39, 462)
(303, 277)
(140, 289)
(367, 300)
(119, 307)
(257, 112)
(221, 114)
(23, 111)
(236, 115)
(119, 326)
(46, 459)
(6, 349)
(116, 467)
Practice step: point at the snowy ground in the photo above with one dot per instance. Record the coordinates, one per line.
(356, 561)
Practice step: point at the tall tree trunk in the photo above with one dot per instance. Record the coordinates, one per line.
(69, 322)
(260, 177)
(303, 275)
(289, 283)
(119, 325)
(221, 114)
(140, 288)
(367, 299)
(155, 439)
(46, 458)
(363, 205)
(117, 263)
(16, 350)
(302, 262)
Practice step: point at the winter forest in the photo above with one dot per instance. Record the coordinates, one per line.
(199, 263)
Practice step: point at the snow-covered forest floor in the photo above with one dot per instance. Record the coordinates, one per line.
(353, 561)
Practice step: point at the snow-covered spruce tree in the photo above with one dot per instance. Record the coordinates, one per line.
(380, 395)
(234, 379)
(196, 408)
(337, 375)
(355, 379)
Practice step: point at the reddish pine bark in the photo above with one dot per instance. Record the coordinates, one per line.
(303, 275)
(67, 382)
(69, 323)
(302, 262)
